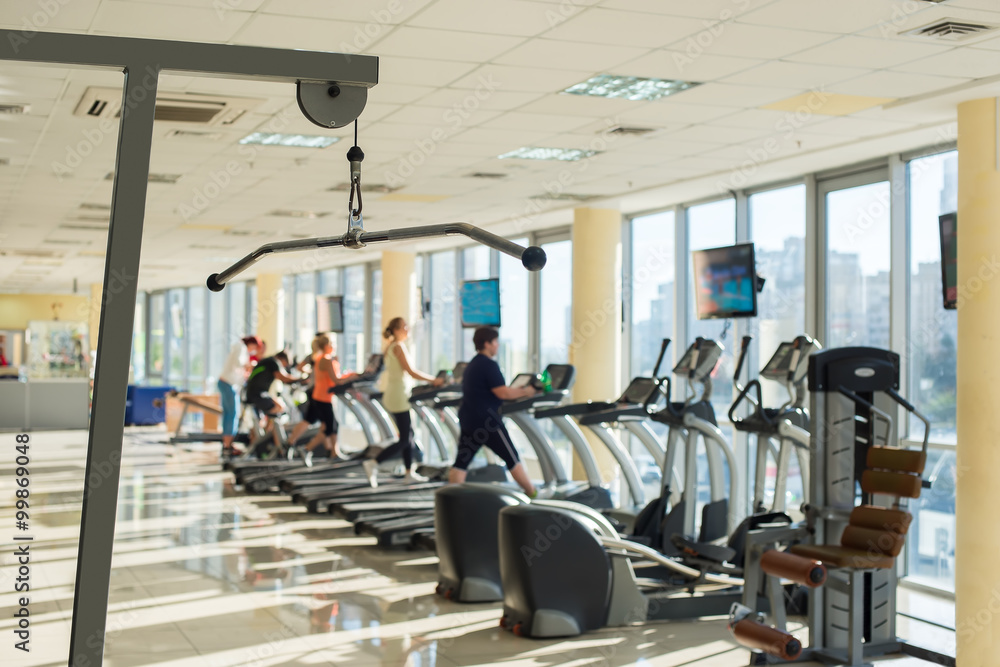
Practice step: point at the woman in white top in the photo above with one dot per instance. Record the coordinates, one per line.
(233, 375)
(396, 399)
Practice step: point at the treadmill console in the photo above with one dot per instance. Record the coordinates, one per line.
(699, 360)
(790, 362)
(639, 391)
(458, 372)
(562, 376)
(522, 380)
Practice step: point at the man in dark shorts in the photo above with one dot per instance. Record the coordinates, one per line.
(483, 392)
(259, 384)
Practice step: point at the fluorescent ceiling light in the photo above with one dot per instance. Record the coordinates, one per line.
(534, 153)
(633, 88)
(296, 140)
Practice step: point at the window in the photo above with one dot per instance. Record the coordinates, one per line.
(157, 337)
(778, 224)
(475, 266)
(712, 225)
(651, 289)
(304, 326)
(238, 311)
(138, 340)
(556, 304)
(177, 328)
(443, 312)
(376, 301)
(219, 337)
(195, 339)
(288, 312)
(930, 544)
(778, 229)
(857, 286)
(933, 330)
(513, 356)
(352, 353)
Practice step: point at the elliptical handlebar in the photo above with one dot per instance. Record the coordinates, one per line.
(744, 348)
(660, 382)
(743, 395)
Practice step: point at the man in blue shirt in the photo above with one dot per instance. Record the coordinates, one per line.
(483, 392)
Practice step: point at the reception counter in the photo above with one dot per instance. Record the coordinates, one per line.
(44, 404)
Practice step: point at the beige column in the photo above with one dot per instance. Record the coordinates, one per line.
(399, 287)
(595, 347)
(270, 311)
(977, 551)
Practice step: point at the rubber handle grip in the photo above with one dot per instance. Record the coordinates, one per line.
(799, 569)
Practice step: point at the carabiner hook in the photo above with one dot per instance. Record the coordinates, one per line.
(355, 188)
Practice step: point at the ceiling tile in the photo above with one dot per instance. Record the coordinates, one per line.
(520, 79)
(75, 16)
(794, 75)
(720, 10)
(665, 112)
(678, 65)
(853, 51)
(752, 41)
(420, 72)
(580, 105)
(498, 17)
(536, 121)
(605, 26)
(456, 97)
(299, 33)
(844, 16)
(380, 15)
(168, 22)
(894, 84)
(965, 62)
(726, 94)
(570, 55)
(410, 42)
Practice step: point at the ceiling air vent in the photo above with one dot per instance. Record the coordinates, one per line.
(950, 30)
(365, 188)
(13, 252)
(246, 232)
(309, 215)
(92, 227)
(486, 174)
(565, 196)
(170, 107)
(194, 134)
(4, 161)
(15, 108)
(95, 207)
(622, 130)
(153, 178)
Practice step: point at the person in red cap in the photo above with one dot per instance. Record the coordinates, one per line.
(234, 374)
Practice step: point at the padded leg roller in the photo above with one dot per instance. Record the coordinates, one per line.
(770, 640)
(799, 569)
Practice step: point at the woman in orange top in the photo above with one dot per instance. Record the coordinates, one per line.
(326, 375)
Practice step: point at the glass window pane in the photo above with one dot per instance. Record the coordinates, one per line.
(376, 342)
(513, 354)
(651, 288)
(857, 309)
(238, 310)
(475, 266)
(288, 288)
(930, 543)
(352, 352)
(443, 310)
(711, 226)
(778, 224)
(195, 339)
(556, 304)
(252, 311)
(933, 330)
(139, 340)
(178, 334)
(305, 315)
(219, 338)
(419, 340)
(157, 336)
(329, 282)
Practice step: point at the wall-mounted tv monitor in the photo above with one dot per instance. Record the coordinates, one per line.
(480, 303)
(330, 314)
(949, 259)
(725, 282)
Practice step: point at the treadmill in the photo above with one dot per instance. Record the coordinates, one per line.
(400, 529)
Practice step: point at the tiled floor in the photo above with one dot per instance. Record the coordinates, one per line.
(207, 576)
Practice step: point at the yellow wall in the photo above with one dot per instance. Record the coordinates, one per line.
(16, 310)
